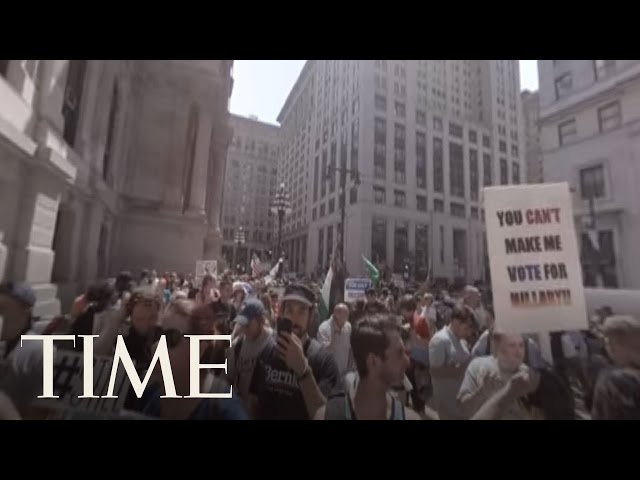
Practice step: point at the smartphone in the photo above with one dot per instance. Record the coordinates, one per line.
(284, 325)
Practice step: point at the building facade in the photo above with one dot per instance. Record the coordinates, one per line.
(249, 188)
(109, 165)
(590, 136)
(413, 143)
(533, 151)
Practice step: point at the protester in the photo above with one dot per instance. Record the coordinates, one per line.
(8, 411)
(292, 379)
(448, 360)
(185, 318)
(487, 374)
(248, 346)
(335, 335)
(617, 395)
(381, 361)
(622, 340)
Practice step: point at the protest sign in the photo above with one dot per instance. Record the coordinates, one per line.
(533, 252)
(205, 267)
(355, 288)
(68, 378)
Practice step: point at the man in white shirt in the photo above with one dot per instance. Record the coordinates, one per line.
(335, 334)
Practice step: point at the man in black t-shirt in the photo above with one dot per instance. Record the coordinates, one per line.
(293, 378)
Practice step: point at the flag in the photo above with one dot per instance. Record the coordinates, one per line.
(373, 272)
(256, 266)
(325, 295)
(274, 271)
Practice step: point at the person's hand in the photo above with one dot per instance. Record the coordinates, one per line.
(523, 383)
(290, 350)
(490, 380)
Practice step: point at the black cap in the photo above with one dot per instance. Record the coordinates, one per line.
(300, 293)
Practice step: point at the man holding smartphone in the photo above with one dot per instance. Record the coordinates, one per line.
(293, 377)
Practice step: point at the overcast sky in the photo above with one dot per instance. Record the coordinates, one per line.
(261, 86)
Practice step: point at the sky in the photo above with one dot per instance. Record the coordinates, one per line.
(260, 87)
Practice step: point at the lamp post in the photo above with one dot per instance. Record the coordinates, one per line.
(238, 241)
(280, 206)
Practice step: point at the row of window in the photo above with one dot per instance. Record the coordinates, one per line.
(564, 83)
(249, 235)
(609, 118)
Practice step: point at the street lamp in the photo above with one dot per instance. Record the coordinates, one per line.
(238, 241)
(280, 206)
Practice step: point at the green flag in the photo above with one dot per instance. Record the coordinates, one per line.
(374, 274)
(324, 305)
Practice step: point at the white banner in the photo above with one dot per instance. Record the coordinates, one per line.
(535, 264)
(205, 267)
(355, 288)
(68, 384)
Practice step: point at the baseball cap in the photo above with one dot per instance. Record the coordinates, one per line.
(20, 292)
(249, 310)
(299, 293)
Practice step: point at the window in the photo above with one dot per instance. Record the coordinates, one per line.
(474, 213)
(473, 136)
(502, 145)
(567, 131)
(437, 124)
(421, 117)
(320, 247)
(314, 214)
(609, 117)
(442, 242)
(603, 68)
(111, 130)
(400, 245)
(399, 199)
(323, 172)
(378, 240)
(72, 99)
(438, 205)
(460, 252)
(592, 182)
(514, 151)
(421, 160)
(4, 67)
(438, 167)
(332, 206)
(381, 102)
(400, 109)
(455, 130)
(316, 173)
(379, 195)
(456, 170)
(353, 195)
(458, 210)
(322, 210)
(504, 172)
(473, 174)
(564, 84)
(486, 141)
(515, 173)
(607, 260)
(421, 203)
(380, 148)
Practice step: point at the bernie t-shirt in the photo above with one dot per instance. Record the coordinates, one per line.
(276, 386)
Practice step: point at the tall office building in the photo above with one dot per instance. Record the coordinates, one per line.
(590, 127)
(532, 150)
(249, 188)
(424, 137)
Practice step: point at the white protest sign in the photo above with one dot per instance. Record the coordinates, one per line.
(68, 384)
(205, 267)
(355, 288)
(535, 265)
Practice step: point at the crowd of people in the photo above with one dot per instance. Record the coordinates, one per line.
(390, 355)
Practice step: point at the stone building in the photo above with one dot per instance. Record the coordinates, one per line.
(109, 165)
